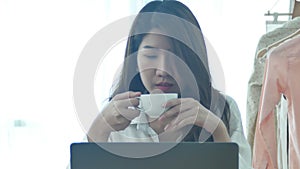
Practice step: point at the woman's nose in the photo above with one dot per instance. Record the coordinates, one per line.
(161, 73)
(162, 67)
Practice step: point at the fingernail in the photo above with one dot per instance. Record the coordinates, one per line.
(166, 127)
(173, 128)
(161, 118)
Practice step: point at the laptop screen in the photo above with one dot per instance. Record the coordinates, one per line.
(189, 155)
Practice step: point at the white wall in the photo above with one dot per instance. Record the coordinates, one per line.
(40, 42)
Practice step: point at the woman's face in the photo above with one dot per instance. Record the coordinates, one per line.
(157, 65)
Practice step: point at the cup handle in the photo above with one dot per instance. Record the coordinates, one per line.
(137, 108)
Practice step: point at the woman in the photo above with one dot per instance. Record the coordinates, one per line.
(166, 53)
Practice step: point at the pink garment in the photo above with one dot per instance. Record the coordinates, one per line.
(282, 76)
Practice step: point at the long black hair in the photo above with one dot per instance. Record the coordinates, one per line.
(182, 28)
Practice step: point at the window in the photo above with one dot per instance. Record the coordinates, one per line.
(40, 44)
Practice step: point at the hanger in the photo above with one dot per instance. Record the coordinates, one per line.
(296, 13)
(275, 16)
(296, 10)
(263, 51)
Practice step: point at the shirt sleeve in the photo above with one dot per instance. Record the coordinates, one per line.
(253, 95)
(236, 134)
(265, 148)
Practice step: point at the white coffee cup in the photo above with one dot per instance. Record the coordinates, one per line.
(151, 104)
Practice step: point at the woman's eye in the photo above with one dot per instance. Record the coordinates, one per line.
(151, 56)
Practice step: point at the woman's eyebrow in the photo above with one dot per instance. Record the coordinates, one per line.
(152, 47)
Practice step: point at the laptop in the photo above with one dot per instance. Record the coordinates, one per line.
(185, 155)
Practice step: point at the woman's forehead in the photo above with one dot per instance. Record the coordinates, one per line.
(156, 41)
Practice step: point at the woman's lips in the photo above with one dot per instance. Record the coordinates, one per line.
(164, 86)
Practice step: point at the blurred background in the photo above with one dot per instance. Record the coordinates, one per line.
(41, 40)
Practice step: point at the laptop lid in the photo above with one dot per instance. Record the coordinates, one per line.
(189, 155)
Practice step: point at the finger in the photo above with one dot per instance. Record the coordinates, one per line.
(126, 108)
(184, 106)
(125, 103)
(172, 102)
(181, 119)
(130, 114)
(183, 123)
(180, 124)
(126, 95)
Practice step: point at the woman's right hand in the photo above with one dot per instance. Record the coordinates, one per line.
(116, 116)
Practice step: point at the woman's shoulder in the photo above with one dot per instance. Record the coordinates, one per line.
(233, 106)
(231, 103)
(230, 100)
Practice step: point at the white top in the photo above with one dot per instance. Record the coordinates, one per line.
(133, 134)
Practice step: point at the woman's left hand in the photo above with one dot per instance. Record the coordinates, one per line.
(190, 112)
